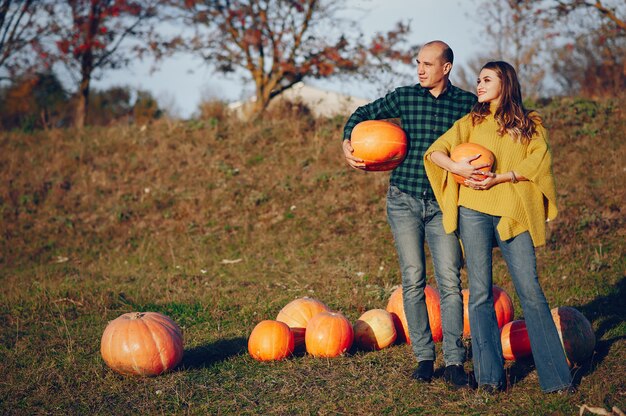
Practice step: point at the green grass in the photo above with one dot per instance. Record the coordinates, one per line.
(219, 225)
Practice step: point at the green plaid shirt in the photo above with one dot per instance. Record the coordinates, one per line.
(424, 118)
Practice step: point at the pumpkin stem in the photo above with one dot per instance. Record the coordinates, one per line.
(137, 315)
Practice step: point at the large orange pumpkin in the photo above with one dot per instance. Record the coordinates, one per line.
(502, 304)
(395, 306)
(464, 150)
(381, 144)
(576, 334)
(270, 340)
(515, 341)
(374, 330)
(142, 343)
(297, 314)
(328, 334)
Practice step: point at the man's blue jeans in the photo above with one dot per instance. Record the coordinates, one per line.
(412, 222)
(478, 231)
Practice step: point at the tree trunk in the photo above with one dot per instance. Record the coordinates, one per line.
(83, 93)
(259, 106)
(83, 103)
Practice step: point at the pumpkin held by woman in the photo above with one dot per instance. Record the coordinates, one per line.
(464, 150)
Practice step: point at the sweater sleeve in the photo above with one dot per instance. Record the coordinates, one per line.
(444, 186)
(537, 168)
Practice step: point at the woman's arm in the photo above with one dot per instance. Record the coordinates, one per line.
(462, 167)
(494, 179)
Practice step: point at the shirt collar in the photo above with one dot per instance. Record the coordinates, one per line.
(450, 89)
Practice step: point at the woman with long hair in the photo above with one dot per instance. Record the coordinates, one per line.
(509, 205)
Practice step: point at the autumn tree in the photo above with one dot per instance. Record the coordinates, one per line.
(589, 45)
(94, 35)
(613, 11)
(21, 28)
(515, 34)
(591, 61)
(558, 46)
(592, 65)
(278, 43)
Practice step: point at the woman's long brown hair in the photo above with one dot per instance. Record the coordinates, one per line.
(511, 116)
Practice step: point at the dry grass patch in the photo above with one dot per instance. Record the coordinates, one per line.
(218, 225)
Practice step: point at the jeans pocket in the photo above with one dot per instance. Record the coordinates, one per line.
(394, 192)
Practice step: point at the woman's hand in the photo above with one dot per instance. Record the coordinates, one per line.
(465, 169)
(490, 180)
(355, 162)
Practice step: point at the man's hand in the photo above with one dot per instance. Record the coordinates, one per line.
(348, 151)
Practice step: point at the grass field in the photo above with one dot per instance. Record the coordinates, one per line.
(219, 225)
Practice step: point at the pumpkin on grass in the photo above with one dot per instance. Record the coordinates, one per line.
(374, 330)
(142, 343)
(328, 334)
(395, 306)
(575, 332)
(297, 313)
(515, 341)
(271, 340)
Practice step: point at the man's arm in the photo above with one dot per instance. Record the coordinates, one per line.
(383, 108)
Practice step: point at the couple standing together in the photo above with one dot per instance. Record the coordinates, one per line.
(510, 206)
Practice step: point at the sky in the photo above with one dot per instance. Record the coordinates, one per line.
(182, 82)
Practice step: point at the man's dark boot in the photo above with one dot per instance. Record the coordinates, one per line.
(424, 372)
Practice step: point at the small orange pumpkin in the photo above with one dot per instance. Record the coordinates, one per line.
(515, 341)
(270, 340)
(328, 334)
(575, 332)
(374, 330)
(502, 304)
(395, 306)
(297, 314)
(464, 150)
(142, 343)
(381, 144)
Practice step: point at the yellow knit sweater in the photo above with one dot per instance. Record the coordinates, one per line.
(523, 206)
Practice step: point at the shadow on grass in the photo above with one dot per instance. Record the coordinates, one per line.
(216, 352)
(610, 311)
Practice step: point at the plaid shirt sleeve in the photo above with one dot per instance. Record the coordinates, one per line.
(383, 108)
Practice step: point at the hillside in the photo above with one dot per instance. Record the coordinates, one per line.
(219, 224)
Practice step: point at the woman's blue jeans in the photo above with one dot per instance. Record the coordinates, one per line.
(412, 222)
(478, 231)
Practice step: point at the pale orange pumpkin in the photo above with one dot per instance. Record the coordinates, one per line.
(271, 340)
(464, 150)
(395, 307)
(374, 330)
(381, 144)
(575, 332)
(515, 341)
(328, 334)
(297, 314)
(502, 304)
(142, 343)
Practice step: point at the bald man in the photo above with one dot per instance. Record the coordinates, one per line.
(426, 110)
